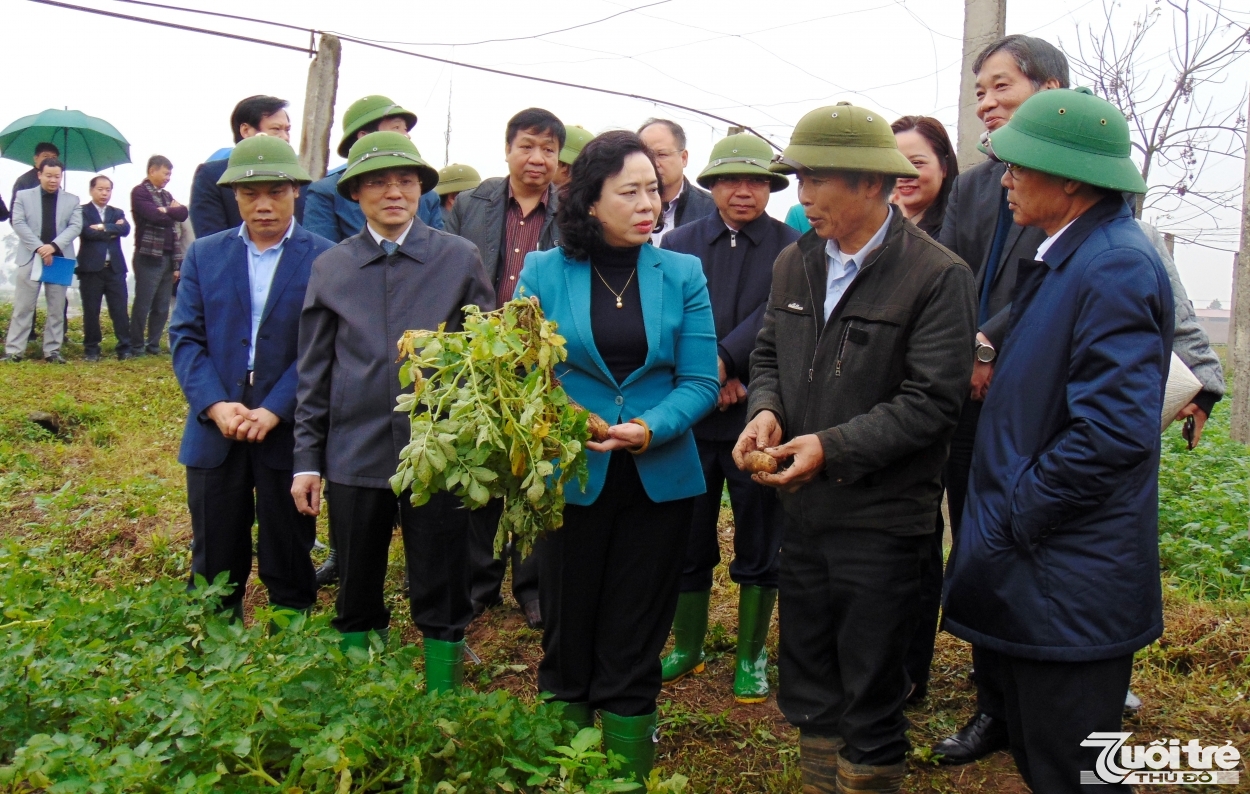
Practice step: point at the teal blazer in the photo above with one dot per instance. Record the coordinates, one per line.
(674, 388)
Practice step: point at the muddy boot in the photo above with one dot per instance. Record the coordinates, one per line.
(689, 629)
(755, 611)
(444, 665)
(864, 779)
(632, 738)
(580, 714)
(818, 763)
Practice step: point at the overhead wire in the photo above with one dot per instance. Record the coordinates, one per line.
(423, 56)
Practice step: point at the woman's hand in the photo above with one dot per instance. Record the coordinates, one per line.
(626, 436)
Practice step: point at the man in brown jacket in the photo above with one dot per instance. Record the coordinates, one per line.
(857, 379)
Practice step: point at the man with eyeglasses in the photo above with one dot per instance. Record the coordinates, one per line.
(683, 202)
(737, 245)
(396, 275)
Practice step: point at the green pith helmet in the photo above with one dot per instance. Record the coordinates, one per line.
(846, 138)
(741, 155)
(367, 110)
(263, 158)
(456, 177)
(381, 150)
(575, 139)
(1073, 134)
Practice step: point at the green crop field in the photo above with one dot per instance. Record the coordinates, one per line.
(113, 678)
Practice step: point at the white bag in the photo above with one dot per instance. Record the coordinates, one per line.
(1180, 391)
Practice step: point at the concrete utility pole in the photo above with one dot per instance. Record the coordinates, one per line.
(1239, 344)
(985, 21)
(323, 84)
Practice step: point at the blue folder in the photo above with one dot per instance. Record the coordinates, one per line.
(61, 271)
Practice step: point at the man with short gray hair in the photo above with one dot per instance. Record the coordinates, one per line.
(857, 378)
(683, 202)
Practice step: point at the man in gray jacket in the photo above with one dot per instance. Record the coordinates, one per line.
(396, 275)
(857, 379)
(507, 218)
(47, 221)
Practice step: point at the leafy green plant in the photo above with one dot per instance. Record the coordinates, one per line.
(144, 689)
(490, 420)
(1204, 512)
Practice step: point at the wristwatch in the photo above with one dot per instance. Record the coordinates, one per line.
(985, 353)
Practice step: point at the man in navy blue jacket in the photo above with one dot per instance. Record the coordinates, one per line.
(213, 206)
(234, 339)
(101, 270)
(737, 245)
(1054, 575)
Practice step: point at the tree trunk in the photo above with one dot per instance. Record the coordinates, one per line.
(1239, 344)
(984, 23)
(323, 84)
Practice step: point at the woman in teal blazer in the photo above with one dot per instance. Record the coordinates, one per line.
(642, 354)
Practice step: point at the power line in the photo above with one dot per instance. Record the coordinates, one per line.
(214, 14)
(517, 38)
(366, 43)
(176, 26)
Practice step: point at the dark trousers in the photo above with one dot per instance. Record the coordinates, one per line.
(435, 534)
(110, 286)
(609, 580)
(757, 524)
(488, 571)
(919, 657)
(955, 478)
(847, 611)
(224, 502)
(1051, 707)
(154, 280)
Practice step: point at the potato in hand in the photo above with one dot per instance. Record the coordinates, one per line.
(759, 462)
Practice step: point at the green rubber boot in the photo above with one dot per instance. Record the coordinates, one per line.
(632, 738)
(354, 639)
(689, 629)
(755, 612)
(444, 665)
(580, 714)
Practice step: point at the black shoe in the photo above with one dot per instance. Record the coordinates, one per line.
(13, 359)
(981, 736)
(328, 573)
(125, 356)
(481, 606)
(55, 358)
(533, 615)
(91, 357)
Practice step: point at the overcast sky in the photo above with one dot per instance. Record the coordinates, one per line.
(762, 64)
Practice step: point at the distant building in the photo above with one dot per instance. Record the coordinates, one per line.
(1215, 322)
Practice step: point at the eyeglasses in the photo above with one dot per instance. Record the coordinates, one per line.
(1013, 169)
(404, 183)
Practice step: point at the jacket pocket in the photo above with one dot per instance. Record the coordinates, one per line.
(870, 335)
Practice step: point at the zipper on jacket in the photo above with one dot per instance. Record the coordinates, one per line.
(837, 363)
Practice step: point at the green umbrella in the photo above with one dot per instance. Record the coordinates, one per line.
(86, 143)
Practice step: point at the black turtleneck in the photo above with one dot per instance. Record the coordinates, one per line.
(620, 334)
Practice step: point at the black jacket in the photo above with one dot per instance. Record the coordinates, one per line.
(94, 244)
(478, 216)
(739, 271)
(968, 230)
(214, 208)
(693, 204)
(358, 304)
(881, 384)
